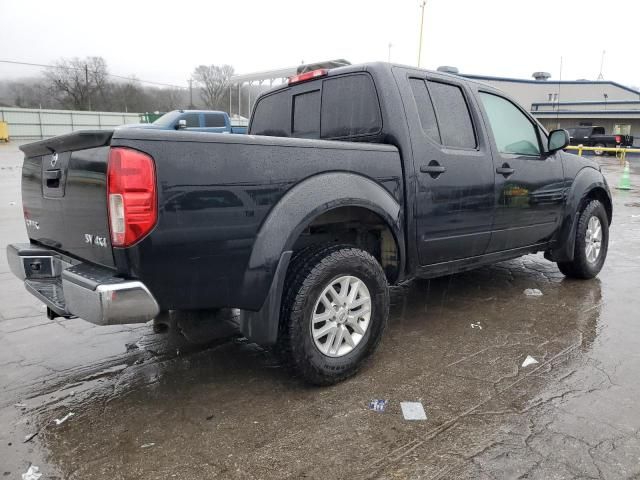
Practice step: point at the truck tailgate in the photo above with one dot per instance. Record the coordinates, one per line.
(64, 195)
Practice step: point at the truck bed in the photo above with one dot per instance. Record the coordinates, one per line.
(206, 227)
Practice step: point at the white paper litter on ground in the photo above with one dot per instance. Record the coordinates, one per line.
(147, 445)
(476, 325)
(60, 421)
(32, 473)
(378, 405)
(529, 361)
(532, 292)
(413, 411)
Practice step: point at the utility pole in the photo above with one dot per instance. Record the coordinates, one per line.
(86, 80)
(191, 94)
(389, 57)
(422, 5)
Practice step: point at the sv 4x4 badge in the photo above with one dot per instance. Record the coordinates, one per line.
(96, 240)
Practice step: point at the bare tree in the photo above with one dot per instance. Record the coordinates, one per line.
(77, 82)
(30, 93)
(214, 82)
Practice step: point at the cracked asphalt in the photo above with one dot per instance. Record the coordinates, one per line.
(157, 406)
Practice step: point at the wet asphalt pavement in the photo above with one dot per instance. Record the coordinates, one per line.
(156, 406)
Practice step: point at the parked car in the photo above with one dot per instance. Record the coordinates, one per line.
(353, 179)
(211, 121)
(596, 137)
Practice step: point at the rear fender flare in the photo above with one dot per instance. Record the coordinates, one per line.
(287, 220)
(301, 205)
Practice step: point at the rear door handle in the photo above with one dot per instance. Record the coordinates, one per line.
(505, 170)
(434, 169)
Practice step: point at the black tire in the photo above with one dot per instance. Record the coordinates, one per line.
(308, 275)
(580, 267)
(596, 152)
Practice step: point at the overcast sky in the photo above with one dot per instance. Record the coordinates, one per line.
(164, 40)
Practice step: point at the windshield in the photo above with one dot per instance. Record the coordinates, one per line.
(167, 119)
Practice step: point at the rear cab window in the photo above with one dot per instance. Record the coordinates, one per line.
(272, 115)
(350, 107)
(344, 107)
(306, 115)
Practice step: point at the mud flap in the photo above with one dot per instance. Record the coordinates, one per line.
(261, 327)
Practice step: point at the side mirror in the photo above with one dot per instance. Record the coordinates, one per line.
(558, 139)
(181, 124)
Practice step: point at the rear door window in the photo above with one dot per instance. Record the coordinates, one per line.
(306, 115)
(425, 109)
(213, 120)
(350, 107)
(454, 119)
(193, 120)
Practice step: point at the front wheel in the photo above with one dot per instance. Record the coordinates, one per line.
(592, 242)
(334, 312)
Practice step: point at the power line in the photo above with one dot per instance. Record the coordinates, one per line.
(133, 79)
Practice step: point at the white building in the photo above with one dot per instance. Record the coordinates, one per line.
(570, 103)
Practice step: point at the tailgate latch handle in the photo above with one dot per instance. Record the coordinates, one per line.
(53, 178)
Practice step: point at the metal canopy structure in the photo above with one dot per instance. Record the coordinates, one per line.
(258, 78)
(274, 77)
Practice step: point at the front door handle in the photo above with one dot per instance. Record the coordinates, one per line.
(505, 170)
(434, 169)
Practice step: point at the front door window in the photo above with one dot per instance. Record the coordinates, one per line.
(513, 131)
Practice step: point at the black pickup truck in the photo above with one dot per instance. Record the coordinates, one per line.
(595, 137)
(350, 180)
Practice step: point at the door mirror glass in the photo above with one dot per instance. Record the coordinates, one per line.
(558, 139)
(181, 124)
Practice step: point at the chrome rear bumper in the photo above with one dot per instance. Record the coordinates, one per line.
(92, 293)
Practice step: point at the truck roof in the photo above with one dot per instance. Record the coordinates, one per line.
(199, 111)
(377, 66)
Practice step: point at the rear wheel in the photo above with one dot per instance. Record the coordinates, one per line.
(598, 152)
(592, 241)
(334, 312)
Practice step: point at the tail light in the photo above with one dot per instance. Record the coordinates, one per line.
(131, 187)
(618, 139)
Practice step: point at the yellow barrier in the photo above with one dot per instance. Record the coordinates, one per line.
(4, 131)
(621, 153)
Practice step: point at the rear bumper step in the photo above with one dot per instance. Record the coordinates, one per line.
(81, 290)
